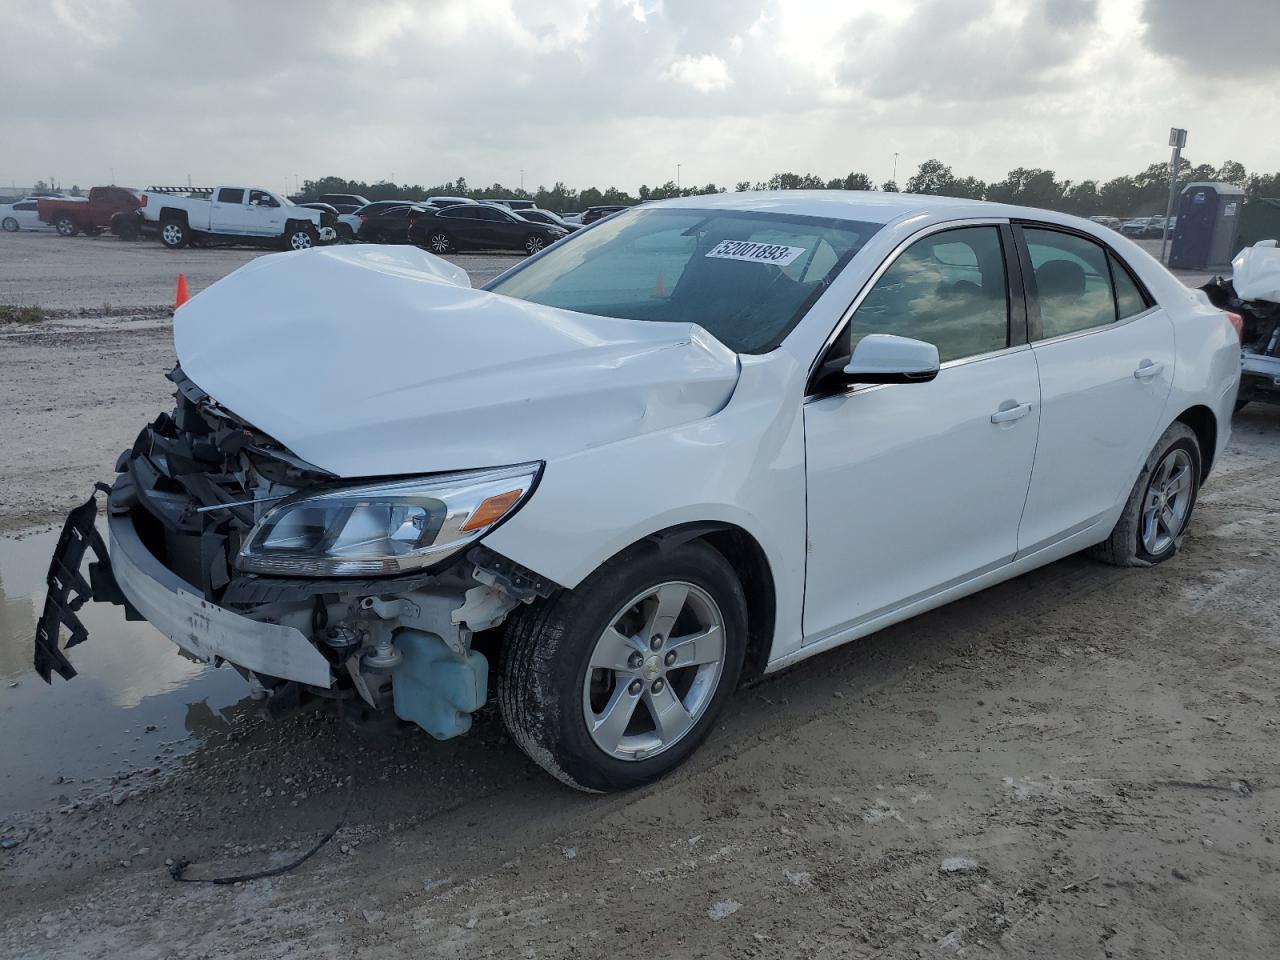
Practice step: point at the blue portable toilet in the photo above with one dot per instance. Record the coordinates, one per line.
(1208, 217)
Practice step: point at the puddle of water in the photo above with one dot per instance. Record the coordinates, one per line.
(129, 677)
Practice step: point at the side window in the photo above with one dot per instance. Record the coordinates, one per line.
(228, 195)
(457, 212)
(28, 205)
(262, 198)
(948, 289)
(1072, 282)
(1130, 299)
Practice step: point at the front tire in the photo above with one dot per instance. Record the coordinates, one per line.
(66, 226)
(439, 242)
(10, 225)
(533, 244)
(301, 238)
(174, 234)
(615, 683)
(1159, 508)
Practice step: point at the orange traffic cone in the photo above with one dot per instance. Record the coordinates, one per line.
(182, 295)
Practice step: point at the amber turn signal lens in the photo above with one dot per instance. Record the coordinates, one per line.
(491, 510)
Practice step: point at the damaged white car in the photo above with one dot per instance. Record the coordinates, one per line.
(699, 441)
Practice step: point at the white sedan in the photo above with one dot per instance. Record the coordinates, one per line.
(700, 440)
(21, 215)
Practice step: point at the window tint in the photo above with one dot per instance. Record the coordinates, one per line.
(228, 195)
(262, 199)
(456, 212)
(1072, 282)
(745, 277)
(948, 289)
(29, 205)
(1129, 298)
(489, 213)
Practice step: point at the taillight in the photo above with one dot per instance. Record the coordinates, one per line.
(1237, 322)
(363, 218)
(142, 200)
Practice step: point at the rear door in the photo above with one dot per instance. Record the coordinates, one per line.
(1105, 352)
(227, 211)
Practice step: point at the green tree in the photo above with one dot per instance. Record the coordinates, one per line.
(1028, 187)
(970, 188)
(742, 186)
(1231, 171)
(1082, 198)
(932, 177)
(1263, 185)
(889, 186)
(858, 181)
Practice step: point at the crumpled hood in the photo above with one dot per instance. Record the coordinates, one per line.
(376, 360)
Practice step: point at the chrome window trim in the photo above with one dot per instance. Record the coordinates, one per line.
(879, 271)
(1114, 324)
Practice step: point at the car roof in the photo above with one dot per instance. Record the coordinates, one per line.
(867, 206)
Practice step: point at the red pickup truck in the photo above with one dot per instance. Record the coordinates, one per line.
(91, 214)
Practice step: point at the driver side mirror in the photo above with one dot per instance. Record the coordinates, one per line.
(885, 358)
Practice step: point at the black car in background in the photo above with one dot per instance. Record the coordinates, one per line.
(481, 226)
(389, 224)
(536, 215)
(518, 205)
(592, 214)
(343, 202)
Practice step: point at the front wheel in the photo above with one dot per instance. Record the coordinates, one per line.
(439, 242)
(65, 226)
(301, 238)
(615, 683)
(1156, 515)
(10, 225)
(533, 244)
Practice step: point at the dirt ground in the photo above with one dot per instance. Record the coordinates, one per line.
(1083, 762)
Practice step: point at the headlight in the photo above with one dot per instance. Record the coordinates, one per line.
(384, 528)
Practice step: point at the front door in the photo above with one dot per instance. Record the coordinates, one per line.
(1105, 353)
(913, 488)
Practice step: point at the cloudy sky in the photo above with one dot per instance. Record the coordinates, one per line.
(618, 92)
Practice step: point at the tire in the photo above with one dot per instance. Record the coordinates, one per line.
(534, 243)
(1138, 540)
(301, 238)
(66, 226)
(10, 224)
(557, 706)
(174, 234)
(345, 233)
(128, 231)
(439, 242)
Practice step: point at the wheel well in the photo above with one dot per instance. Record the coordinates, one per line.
(748, 560)
(1202, 421)
(172, 213)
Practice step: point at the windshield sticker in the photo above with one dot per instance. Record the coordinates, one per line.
(775, 253)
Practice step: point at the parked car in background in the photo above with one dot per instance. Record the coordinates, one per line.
(21, 215)
(91, 214)
(573, 216)
(837, 411)
(1112, 222)
(235, 214)
(592, 214)
(511, 204)
(448, 201)
(329, 225)
(481, 226)
(389, 224)
(343, 202)
(536, 215)
(1135, 226)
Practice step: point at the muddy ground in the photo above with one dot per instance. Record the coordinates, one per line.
(1083, 762)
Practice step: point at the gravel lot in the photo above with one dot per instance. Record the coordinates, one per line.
(1097, 747)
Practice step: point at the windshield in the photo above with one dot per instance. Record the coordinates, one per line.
(745, 277)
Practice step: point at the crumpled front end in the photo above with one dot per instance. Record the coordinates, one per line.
(187, 497)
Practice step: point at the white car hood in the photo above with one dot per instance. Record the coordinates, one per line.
(376, 360)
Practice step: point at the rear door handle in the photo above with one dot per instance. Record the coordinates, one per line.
(1007, 414)
(1147, 369)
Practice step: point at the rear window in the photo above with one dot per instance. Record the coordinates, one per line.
(745, 277)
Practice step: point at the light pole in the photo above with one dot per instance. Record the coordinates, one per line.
(522, 179)
(677, 176)
(1177, 140)
(894, 178)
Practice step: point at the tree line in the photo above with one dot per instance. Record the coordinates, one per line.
(1143, 193)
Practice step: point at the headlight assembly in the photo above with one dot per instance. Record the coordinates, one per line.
(385, 528)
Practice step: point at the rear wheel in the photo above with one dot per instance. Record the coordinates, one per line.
(533, 243)
(9, 224)
(66, 226)
(174, 234)
(439, 242)
(1156, 515)
(615, 683)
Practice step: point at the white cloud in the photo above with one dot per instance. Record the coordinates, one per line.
(705, 73)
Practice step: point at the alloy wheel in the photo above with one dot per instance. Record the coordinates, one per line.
(533, 245)
(301, 240)
(654, 671)
(66, 227)
(439, 243)
(172, 233)
(1167, 503)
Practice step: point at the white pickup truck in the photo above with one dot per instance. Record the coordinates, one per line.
(238, 214)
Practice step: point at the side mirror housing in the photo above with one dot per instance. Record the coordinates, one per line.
(884, 358)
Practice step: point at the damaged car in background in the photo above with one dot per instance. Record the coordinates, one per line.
(698, 441)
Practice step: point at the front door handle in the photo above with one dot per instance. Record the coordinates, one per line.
(1010, 411)
(1147, 369)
